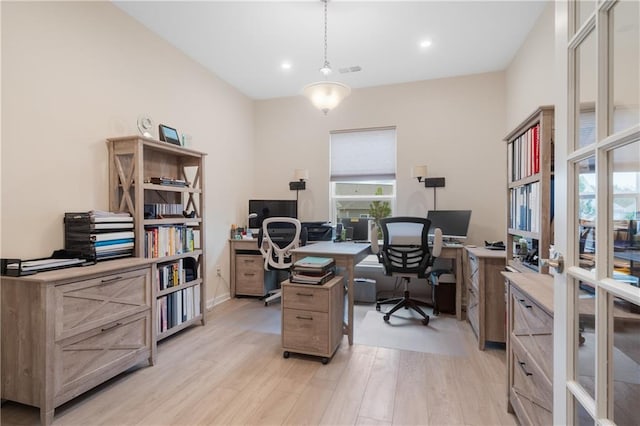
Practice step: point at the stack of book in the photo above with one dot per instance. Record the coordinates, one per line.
(99, 235)
(313, 270)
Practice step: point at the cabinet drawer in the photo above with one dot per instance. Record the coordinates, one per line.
(84, 305)
(90, 358)
(305, 297)
(528, 412)
(305, 331)
(246, 263)
(529, 380)
(533, 329)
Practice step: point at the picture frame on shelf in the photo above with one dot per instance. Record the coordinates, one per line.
(168, 134)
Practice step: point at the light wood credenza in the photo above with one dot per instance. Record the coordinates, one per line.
(66, 331)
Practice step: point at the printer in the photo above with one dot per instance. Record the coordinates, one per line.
(318, 231)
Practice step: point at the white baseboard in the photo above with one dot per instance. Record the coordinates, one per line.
(217, 300)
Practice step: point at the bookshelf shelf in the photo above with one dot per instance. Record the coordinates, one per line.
(133, 161)
(529, 190)
(179, 287)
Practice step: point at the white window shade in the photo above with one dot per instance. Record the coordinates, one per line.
(363, 155)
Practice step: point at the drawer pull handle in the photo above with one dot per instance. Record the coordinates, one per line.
(522, 364)
(111, 279)
(524, 302)
(249, 261)
(247, 274)
(304, 318)
(304, 294)
(118, 324)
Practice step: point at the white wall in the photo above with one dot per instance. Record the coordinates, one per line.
(530, 76)
(454, 126)
(76, 73)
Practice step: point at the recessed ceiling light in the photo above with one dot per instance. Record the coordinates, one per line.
(285, 66)
(425, 43)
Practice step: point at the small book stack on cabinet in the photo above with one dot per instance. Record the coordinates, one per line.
(162, 186)
(98, 235)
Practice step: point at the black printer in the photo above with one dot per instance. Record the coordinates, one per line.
(318, 231)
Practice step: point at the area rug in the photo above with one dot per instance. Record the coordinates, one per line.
(405, 331)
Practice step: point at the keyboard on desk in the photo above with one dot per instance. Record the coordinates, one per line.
(453, 245)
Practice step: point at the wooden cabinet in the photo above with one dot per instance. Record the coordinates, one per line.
(66, 331)
(530, 347)
(312, 317)
(529, 194)
(162, 229)
(249, 275)
(485, 294)
(247, 269)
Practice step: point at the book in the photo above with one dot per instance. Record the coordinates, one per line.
(311, 279)
(108, 236)
(314, 262)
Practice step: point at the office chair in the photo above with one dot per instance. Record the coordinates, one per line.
(405, 253)
(277, 237)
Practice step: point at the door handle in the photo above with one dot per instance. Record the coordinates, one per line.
(556, 262)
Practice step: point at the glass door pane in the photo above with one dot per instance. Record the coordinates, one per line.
(624, 22)
(586, 89)
(625, 208)
(626, 363)
(586, 203)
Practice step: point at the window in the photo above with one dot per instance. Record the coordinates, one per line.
(363, 173)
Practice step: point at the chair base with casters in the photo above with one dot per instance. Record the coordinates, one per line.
(404, 302)
(275, 293)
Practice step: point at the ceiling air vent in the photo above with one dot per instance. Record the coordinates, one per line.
(350, 69)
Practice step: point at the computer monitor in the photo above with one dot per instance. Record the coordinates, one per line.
(454, 224)
(271, 208)
(357, 228)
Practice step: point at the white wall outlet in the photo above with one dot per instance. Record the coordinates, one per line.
(218, 270)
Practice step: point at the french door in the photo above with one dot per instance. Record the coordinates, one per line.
(597, 205)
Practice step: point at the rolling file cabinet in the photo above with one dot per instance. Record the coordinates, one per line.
(312, 317)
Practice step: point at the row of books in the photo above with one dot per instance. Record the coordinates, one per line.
(160, 210)
(524, 154)
(178, 307)
(99, 235)
(171, 275)
(169, 240)
(524, 211)
(313, 270)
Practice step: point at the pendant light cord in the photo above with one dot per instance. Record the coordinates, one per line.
(326, 62)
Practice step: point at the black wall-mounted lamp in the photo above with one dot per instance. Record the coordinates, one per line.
(420, 173)
(299, 185)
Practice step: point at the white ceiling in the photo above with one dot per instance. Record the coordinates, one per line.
(245, 42)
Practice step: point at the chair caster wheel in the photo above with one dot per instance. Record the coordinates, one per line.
(425, 321)
(378, 308)
(386, 318)
(436, 312)
(266, 303)
(286, 354)
(325, 360)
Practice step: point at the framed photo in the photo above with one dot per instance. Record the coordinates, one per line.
(168, 134)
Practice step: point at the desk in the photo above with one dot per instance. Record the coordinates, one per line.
(347, 256)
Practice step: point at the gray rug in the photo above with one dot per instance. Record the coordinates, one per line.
(405, 331)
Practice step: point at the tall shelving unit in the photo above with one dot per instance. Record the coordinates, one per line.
(530, 190)
(176, 242)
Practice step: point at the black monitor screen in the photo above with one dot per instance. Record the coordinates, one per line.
(357, 228)
(452, 223)
(271, 208)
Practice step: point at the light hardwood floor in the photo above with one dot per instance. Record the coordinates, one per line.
(227, 373)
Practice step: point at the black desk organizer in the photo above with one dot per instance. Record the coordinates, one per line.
(57, 254)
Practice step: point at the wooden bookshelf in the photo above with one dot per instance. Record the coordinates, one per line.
(170, 239)
(530, 190)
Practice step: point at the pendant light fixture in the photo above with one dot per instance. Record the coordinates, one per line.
(326, 95)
